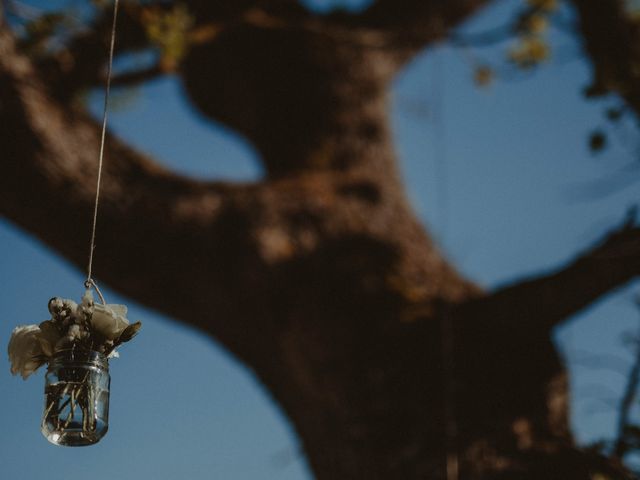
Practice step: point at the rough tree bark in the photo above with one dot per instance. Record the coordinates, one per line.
(320, 277)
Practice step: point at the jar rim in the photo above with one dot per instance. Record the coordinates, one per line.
(79, 356)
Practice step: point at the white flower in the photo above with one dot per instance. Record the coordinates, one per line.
(25, 351)
(86, 326)
(109, 320)
(48, 338)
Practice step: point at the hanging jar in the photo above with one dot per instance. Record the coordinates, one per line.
(76, 345)
(76, 392)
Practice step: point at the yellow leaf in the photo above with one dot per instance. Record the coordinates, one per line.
(483, 76)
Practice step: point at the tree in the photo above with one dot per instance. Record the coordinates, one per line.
(320, 276)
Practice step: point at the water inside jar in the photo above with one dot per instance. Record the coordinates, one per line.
(76, 405)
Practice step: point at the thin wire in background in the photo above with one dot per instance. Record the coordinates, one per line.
(441, 175)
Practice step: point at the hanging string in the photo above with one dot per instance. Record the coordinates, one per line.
(90, 283)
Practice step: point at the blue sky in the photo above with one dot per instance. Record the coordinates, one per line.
(493, 172)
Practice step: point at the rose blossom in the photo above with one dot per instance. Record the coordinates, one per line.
(25, 350)
(109, 320)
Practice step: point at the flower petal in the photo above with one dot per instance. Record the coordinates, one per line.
(120, 310)
(49, 336)
(25, 351)
(107, 322)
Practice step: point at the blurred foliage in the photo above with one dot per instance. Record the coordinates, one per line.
(483, 75)
(597, 140)
(39, 32)
(528, 47)
(529, 51)
(527, 36)
(169, 31)
(531, 46)
(614, 114)
(167, 26)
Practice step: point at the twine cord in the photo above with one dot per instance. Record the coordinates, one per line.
(90, 283)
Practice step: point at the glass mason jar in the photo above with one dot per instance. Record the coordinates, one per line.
(76, 392)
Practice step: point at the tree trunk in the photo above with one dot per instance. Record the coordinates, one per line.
(320, 277)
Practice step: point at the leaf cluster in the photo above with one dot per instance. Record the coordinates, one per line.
(531, 46)
(169, 30)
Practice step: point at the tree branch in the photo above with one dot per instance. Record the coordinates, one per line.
(80, 64)
(612, 41)
(49, 161)
(137, 77)
(627, 402)
(232, 10)
(190, 248)
(540, 303)
(413, 24)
